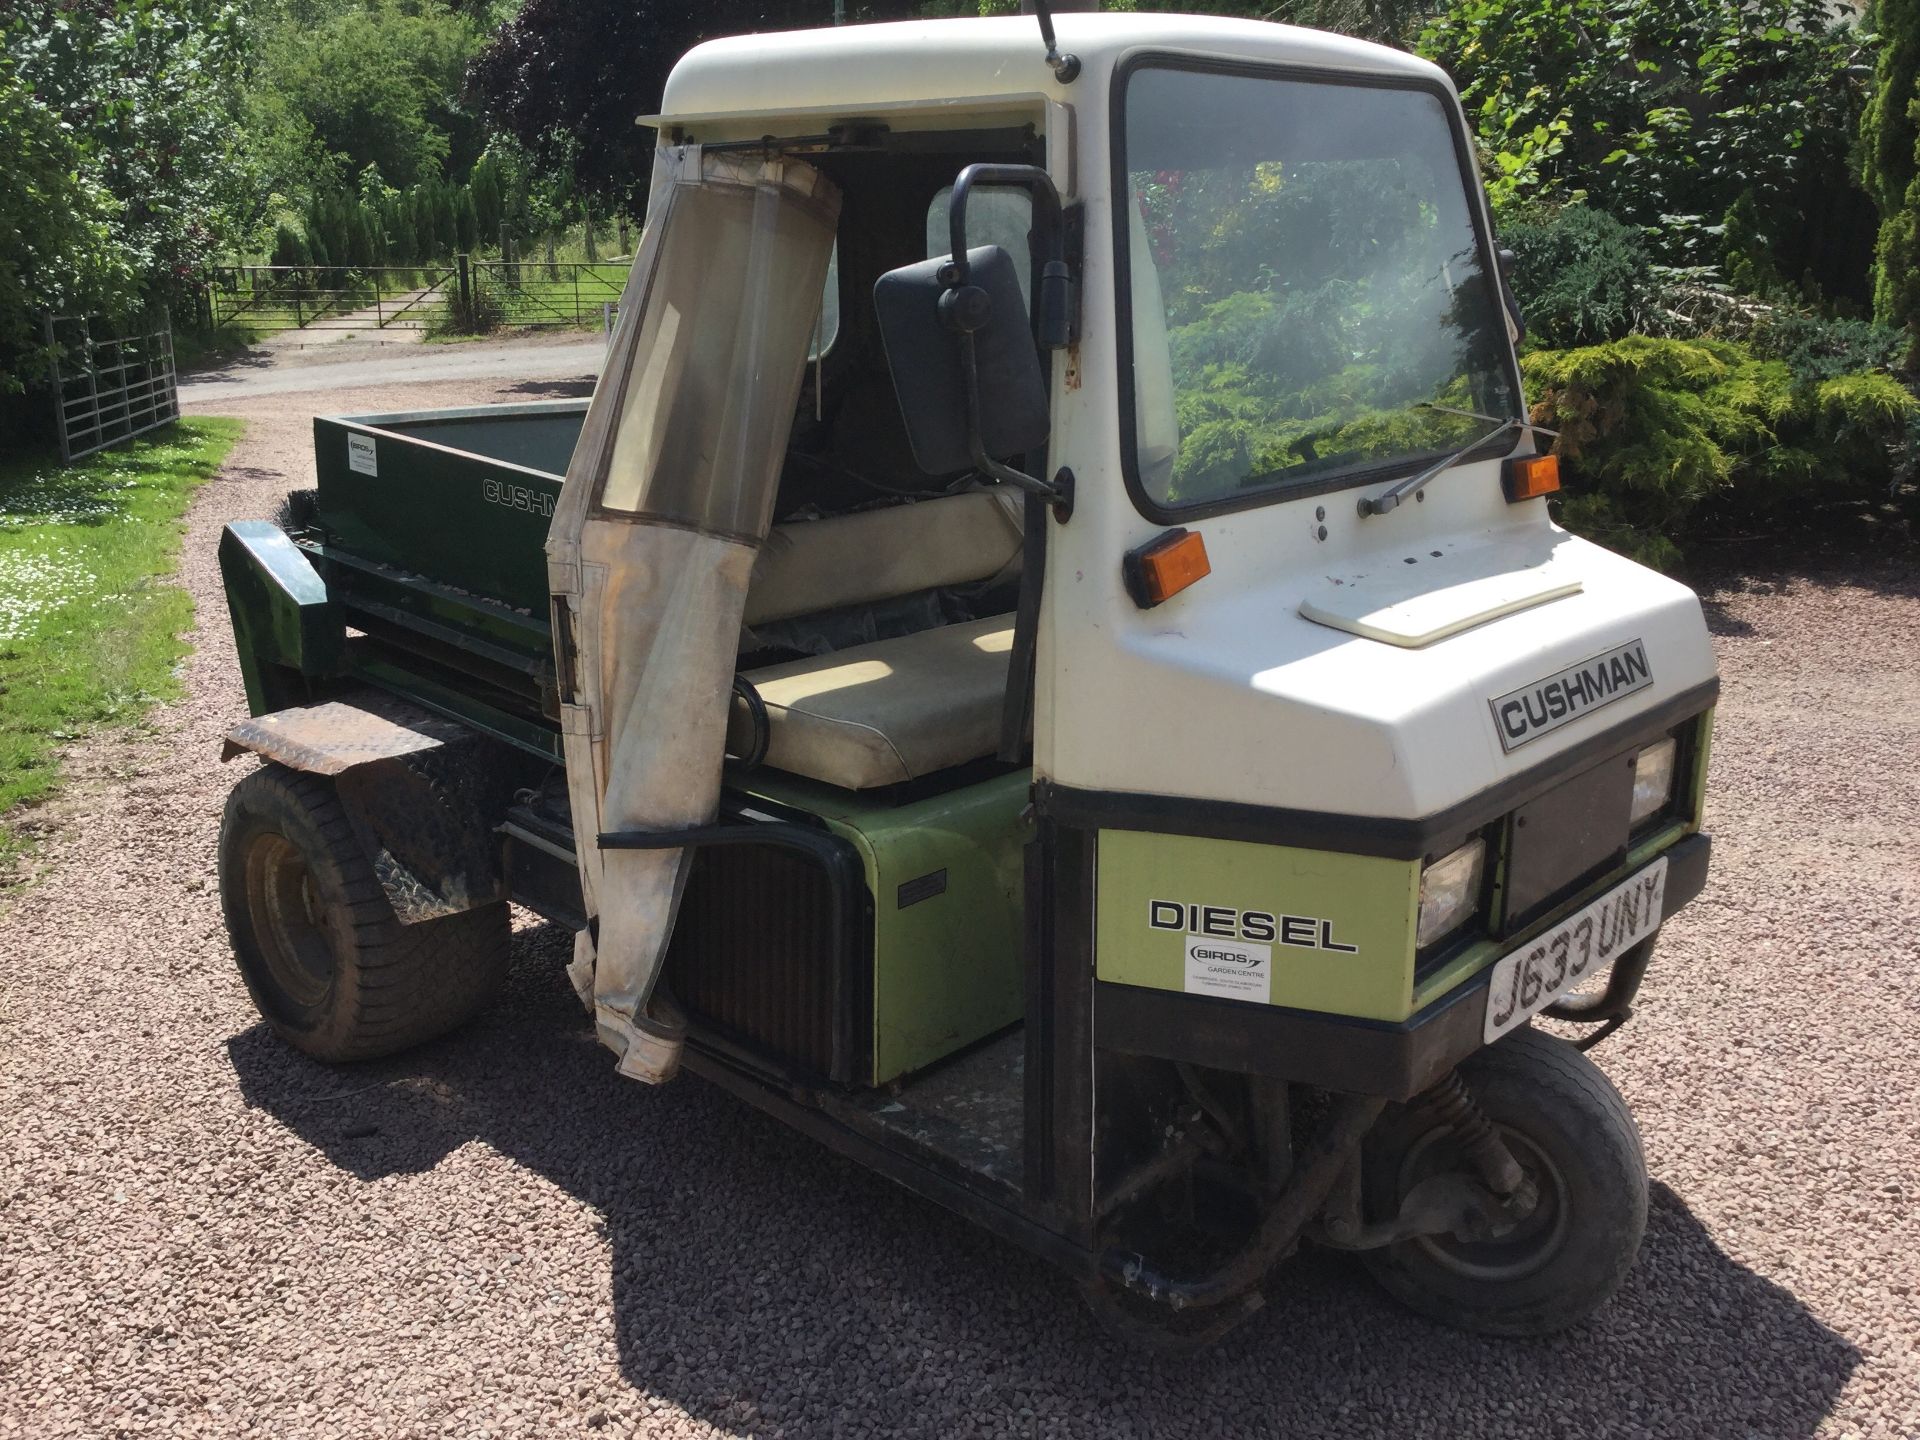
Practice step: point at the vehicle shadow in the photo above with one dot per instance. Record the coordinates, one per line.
(733, 1240)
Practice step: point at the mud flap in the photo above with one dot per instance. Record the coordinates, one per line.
(667, 499)
(423, 794)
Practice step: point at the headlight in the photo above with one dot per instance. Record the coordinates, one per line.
(1450, 892)
(1652, 779)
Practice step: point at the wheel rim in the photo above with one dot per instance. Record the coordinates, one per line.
(288, 919)
(1532, 1243)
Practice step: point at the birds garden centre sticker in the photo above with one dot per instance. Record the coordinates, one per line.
(1230, 968)
(1229, 951)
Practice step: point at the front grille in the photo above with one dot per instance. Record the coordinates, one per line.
(755, 958)
(1568, 837)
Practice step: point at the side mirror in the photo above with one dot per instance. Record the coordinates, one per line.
(963, 361)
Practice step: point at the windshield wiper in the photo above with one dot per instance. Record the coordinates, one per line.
(1390, 500)
(1490, 419)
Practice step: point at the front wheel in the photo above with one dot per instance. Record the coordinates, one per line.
(1573, 1135)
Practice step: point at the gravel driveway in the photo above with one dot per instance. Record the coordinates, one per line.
(201, 1231)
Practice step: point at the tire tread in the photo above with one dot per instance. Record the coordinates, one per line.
(396, 985)
(1558, 1080)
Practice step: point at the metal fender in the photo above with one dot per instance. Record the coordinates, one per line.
(283, 620)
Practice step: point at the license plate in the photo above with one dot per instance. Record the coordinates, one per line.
(1583, 944)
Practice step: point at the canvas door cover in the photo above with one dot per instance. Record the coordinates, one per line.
(667, 499)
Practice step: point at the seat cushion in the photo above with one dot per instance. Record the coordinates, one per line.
(807, 566)
(884, 713)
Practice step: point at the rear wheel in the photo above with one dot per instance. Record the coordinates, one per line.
(1575, 1138)
(326, 961)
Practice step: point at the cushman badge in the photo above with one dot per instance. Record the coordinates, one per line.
(1534, 710)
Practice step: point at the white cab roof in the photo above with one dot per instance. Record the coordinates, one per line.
(865, 68)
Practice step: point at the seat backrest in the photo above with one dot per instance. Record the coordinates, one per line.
(807, 566)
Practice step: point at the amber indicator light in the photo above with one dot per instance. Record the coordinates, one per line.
(1532, 476)
(1164, 566)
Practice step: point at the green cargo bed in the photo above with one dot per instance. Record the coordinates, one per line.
(464, 496)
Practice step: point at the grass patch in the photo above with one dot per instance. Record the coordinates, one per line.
(89, 630)
(541, 299)
(527, 297)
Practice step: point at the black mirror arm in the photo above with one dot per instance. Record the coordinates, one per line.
(982, 461)
(1504, 259)
(1056, 299)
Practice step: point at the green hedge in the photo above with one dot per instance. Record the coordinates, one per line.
(1662, 440)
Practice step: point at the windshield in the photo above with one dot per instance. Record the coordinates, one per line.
(1305, 286)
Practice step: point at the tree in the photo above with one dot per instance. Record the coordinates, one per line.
(289, 248)
(466, 221)
(446, 223)
(403, 248)
(359, 85)
(566, 78)
(1674, 115)
(122, 174)
(1890, 167)
(149, 92)
(489, 197)
(59, 254)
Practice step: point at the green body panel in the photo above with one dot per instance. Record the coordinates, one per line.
(511, 646)
(1361, 901)
(457, 702)
(1702, 754)
(394, 491)
(282, 615)
(946, 967)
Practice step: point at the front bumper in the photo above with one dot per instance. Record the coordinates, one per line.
(1336, 1052)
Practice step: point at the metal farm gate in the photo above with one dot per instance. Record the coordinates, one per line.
(461, 295)
(531, 294)
(275, 298)
(106, 390)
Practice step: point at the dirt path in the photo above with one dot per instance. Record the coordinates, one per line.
(202, 1232)
(479, 365)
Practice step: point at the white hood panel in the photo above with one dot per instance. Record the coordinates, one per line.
(1231, 693)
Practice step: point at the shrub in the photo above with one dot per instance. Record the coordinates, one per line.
(1581, 276)
(1663, 439)
(290, 247)
(1817, 348)
(480, 312)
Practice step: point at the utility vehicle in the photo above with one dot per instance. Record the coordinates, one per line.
(1045, 663)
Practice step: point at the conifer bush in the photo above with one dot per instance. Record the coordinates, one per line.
(1889, 155)
(1663, 439)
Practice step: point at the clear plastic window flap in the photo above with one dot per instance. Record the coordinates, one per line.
(667, 499)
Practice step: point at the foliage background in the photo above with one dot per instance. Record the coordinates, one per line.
(1716, 173)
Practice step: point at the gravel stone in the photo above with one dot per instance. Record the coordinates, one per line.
(202, 1232)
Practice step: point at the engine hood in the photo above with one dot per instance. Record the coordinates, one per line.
(1400, 685)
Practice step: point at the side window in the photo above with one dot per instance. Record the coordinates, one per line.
(996, 215)
(828, 328)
